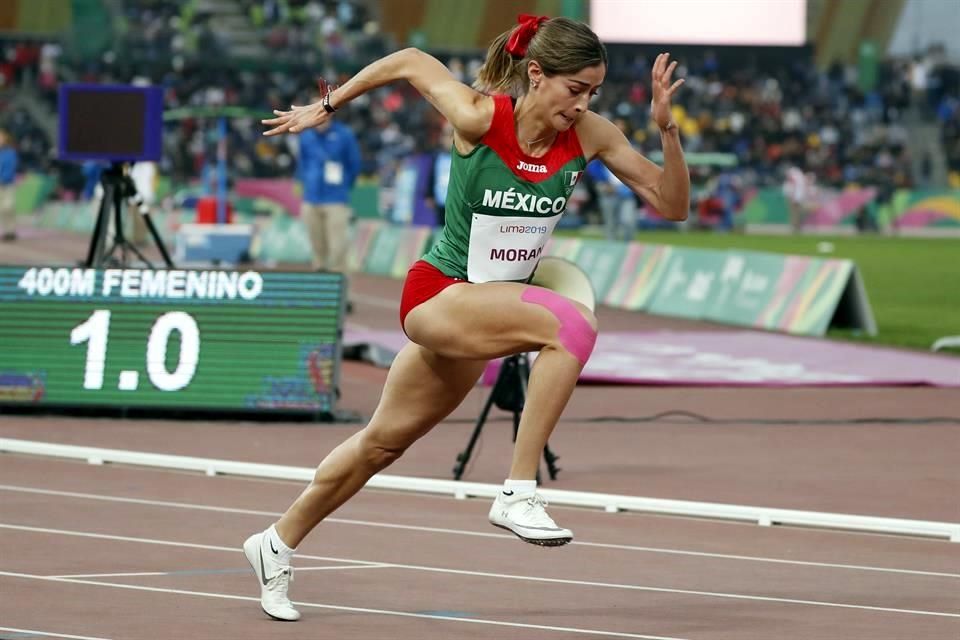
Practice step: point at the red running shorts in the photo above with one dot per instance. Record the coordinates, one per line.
(423, 282)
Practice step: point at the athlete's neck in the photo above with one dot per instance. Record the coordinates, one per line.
(534, 134)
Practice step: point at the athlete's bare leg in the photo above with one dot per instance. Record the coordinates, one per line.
(485, 321)
(422, 388)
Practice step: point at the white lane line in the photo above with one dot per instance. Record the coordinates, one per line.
(501, 576)
(154, 574)
(320, 605)
(129, 574)
(387, 525)
(50, 634)
(350, 567)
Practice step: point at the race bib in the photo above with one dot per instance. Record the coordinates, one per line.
(333, 172)
(506, 247)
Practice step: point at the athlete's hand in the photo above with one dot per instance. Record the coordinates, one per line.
(297, 120)
(663, 91)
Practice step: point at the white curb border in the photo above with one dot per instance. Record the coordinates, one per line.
(762, 516)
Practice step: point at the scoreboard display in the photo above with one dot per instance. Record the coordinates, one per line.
(170, 339)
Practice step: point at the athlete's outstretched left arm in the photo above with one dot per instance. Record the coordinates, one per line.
(469, 111)
(668, 189)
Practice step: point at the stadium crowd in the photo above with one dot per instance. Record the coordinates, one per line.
(771, 116)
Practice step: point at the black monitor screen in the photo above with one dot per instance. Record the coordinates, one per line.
(106, 122)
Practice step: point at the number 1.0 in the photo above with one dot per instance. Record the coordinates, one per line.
(95, 332)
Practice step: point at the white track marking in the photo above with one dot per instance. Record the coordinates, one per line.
(498, 576)
(320, 605)
(154, 574)
(50, 634)
(387, 525)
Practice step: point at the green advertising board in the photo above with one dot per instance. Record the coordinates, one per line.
(363, 234)
(687, 283)
(391, 249)
(412, 245)
(793, 294)
(745, 285)
(807, 295)
(383, 249)
(170, 339)
(601, 260)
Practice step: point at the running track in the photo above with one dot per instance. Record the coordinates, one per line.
(124, 552)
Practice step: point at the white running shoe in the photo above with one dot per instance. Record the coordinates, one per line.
(525, 516)
(274, 579)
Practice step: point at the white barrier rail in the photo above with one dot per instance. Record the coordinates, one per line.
(762, 516)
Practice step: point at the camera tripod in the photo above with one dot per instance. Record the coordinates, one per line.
(509, 393)
(118, 188)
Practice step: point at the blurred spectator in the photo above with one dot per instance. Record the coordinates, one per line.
(145, 177)
(716, 210)
(799, 189)
(439, 181)
(8, 175)
(92, 171)
(618, 205)
(768, 109)
(327, 168)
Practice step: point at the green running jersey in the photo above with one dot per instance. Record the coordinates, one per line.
(502, 205)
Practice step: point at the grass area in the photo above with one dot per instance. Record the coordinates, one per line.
(913, 284)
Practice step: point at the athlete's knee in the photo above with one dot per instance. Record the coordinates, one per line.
(377, 453)
(577, 333)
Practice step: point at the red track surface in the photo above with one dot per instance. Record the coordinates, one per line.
(158, 552)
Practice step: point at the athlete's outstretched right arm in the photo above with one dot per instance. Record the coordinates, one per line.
(469, 111)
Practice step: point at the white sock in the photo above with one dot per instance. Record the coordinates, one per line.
(278, 549)
(519, 487)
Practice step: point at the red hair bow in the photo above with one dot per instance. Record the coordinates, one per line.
(521, 36)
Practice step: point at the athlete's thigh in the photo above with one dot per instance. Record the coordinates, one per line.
(487, 320)
(422, 388)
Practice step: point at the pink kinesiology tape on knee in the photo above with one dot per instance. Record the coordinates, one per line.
(575, 334)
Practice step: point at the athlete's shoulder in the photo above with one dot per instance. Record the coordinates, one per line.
(501, 115)
(595, 133)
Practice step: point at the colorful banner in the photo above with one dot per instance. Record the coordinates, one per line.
(285, 194)
(383, 249)
(792, 294)
(768, 206)
(841, 208)
(363, 234)
(283, 239)
(918, 209)
(601, 260)
(31, 191)
(566, 248)
(640, 272)
(394, 248)
(806, 295)
(833, 208)
(413, 244)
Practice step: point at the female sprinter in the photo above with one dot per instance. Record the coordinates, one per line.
(521, 142)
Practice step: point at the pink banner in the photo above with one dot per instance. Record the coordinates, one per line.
(286, 193)
(834, 210)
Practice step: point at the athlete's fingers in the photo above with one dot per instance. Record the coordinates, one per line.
(675, 86)
(282, 128)
(669, 72)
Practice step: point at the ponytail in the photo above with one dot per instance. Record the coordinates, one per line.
(500, 73)
(559, 45)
